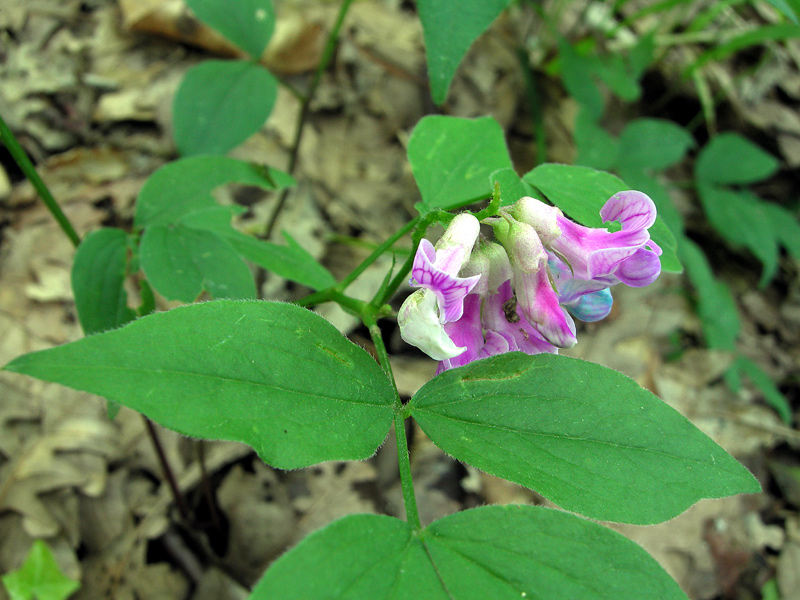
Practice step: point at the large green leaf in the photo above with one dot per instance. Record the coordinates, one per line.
(221, 103)
(495, 552)
(452, 159)
(730, 158)
(581, 192)
(739, 217)
(652, 144)
(577, 73)
(185, 185)
(247, 23)
(450, 28)
(229, 370)
(98, 281)
(181, 262)
(584, 436)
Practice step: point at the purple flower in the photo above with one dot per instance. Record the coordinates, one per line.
(437, 268)
(627, 255)
(424, 313)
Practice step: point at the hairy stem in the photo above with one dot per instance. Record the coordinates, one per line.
(21, 158)
(327, 55)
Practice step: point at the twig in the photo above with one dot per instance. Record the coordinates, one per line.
(327, 55)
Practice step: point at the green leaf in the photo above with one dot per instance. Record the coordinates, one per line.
(582, 435)
(577, 73)
(185, 185)
(754, 37)
(98, 281)
(596, 147)
(221, 103)
(291, 262)
(653, 144)
(512, 188)
(772, 395)
(452, 159)
(614, 72)
(39, 578)
(247, 23)
(730, 158)
(449, 29)
(738, 216)
(497, 552)
(642, 54)
(784, 226)
(581, 192)
(229, 370)
(181, 262)
(715, 304)
(786, 9)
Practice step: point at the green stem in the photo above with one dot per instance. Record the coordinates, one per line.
(327, 55)
(404, 461)
(378, 252)
(25, 164)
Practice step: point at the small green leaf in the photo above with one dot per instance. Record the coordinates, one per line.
(98, 281)
(596, 147)
(784, 226)
(452, 159)
(247, 23)
(449, 29)
(772, 395)
(731, 159)
(786, 9)
(185, 185)
(221, 103)
(229, 370)
(582, 435)
(291, 262)
(581, 192)
(715, 304)
(653, 144)
(512, 188)
(181, 262)
(39, 578)
(577, 73)
(614, 72)
(493, 552)
(738, 216)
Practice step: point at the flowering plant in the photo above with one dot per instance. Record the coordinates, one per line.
(493, 312)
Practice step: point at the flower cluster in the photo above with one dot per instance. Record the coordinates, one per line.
(478, 298)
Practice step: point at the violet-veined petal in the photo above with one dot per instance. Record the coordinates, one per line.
(641, 269)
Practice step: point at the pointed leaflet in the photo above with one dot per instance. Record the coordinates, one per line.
(452, 159)
(181, 262)
(229, 370)
(652, 144)
(247, 23)
(730, 158)
(98, 281)
(581, 192)
(291, 261)
(450, 28)
(40, 577)
(497, 552)
(185, 185)
(584, 436)
(221, 103)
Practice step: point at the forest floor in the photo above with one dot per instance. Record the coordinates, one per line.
(87, 87)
